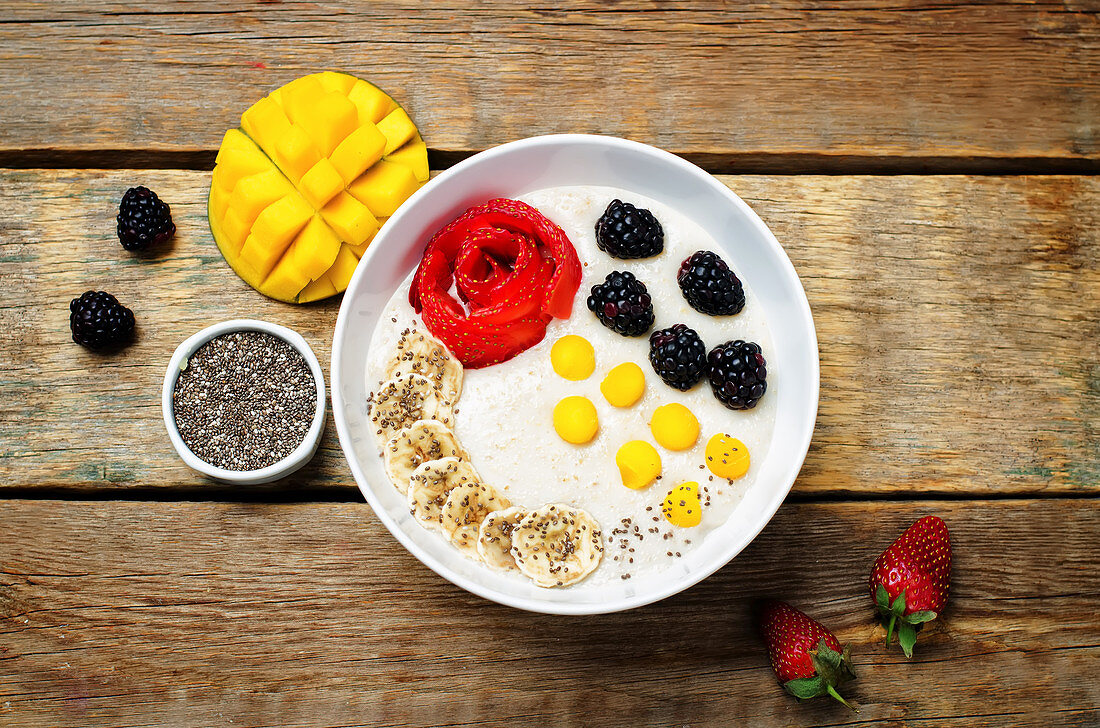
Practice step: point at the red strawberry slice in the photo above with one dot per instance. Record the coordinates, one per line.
(806, 656)
(909, 581)
(513, 269)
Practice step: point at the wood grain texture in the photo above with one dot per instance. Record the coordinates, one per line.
(736, 82)
(958, 320)
(312, 614)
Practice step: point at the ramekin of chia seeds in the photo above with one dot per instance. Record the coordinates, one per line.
(244, 401)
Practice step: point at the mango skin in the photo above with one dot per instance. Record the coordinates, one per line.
(287, 257)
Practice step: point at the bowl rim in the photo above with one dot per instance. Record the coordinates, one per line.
(569, 608)
(292, 462)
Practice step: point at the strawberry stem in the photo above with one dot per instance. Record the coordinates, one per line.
(832, 691)
(890, 628)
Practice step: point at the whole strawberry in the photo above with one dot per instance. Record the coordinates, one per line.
(806, 657)
(909, 580)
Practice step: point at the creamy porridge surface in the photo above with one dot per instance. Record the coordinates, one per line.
(504, 415)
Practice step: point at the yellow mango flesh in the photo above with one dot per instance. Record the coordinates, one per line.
(575, 420)
(398, 128)
(342, 268)
(219, 202)
(238, 157)
(295, 153)
(280, 222)
(235, 230)
(301, 189)
(321, 183)
(413, 155)
(301, 95)
(253, 194)
(328, 120)
(370, 101)
(315, 249)
(624, 385)
(639, 464)
(332, 81)
(384, 187)
(727, 457)
(265, 123)
(674, 426)
(317, 290)
(234, 140)
(350, 218)
(573, 357)
(683, 506)
(361, 149)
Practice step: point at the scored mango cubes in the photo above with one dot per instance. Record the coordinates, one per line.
(300, 190)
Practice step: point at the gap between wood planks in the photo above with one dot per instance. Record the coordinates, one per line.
(736, 163)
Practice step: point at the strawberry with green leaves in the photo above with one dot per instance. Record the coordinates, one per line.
(806, 656)
(909, 580)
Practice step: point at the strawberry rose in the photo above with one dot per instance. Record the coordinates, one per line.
(512, 270)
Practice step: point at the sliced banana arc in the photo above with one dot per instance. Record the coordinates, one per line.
(418, 352)
(413, 418)
(557, 545)
(429, 485)
(466, 507)
(494, 537)
(415, 445)
(403, 400)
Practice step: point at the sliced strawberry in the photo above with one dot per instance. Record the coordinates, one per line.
(512, 267)
(502, 269)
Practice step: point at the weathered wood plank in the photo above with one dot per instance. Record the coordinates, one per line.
(819, 81)
(202, 614)
(959, 329)
(958, 318)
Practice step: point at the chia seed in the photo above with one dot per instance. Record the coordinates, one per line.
(244, 401)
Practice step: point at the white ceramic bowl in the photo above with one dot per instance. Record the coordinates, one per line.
(292, 462)
(573, 159)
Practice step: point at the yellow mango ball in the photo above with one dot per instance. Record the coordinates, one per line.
(573, 357)
(624, 385)
(727, 457)
(674, 426)
(575, 420)
(639, 464)
(682, 506)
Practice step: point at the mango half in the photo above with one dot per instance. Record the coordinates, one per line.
(301, 189)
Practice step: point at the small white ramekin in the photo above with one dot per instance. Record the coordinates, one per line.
(292, 462)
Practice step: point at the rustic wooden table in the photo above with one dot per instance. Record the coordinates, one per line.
(929, 168)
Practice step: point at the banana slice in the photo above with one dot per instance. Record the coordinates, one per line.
(403, 400)
(418, 443)
(418, 352)
(494, 537)
(429, 485)
(466, 507)
(557, 545)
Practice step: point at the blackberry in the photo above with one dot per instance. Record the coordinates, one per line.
(678, 356)
(709, 285)
(98, 320)
(143, 219)
(625, 231)
(737, 373)
(622, 304)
